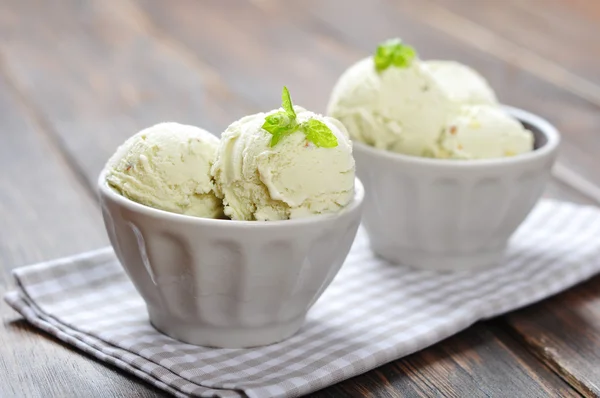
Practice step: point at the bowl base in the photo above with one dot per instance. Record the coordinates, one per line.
(219, 337)
(440, 261)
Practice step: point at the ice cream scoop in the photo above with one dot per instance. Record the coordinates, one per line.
(285, 164)
(167, 166)
(395, 101)
(461, 83)
(398, 109)
(483, 131)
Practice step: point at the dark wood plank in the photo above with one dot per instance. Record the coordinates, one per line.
(564, 332)
(45, 213)
(477, 35)
(98, 75)
(256, 52)
(39, 193)
(479, 362)
(557, 31)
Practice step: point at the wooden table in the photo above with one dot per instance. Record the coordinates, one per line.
(79, 76)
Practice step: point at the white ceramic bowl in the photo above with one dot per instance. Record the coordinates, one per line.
(452, 214)
(225, 283)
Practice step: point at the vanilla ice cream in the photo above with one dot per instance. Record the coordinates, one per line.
(167, 166)
(483, 131)
(461, 83)
(399, 109)
(260, 178)
(408, 107)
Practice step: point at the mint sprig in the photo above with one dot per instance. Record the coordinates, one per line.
(283, 123)
(319, 134)
(286, 103)
(279, 125)
(393, 52)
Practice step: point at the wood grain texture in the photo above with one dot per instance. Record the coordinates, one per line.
(45, 213)
(109, 77)
(94, 72)
(561, 32)
(564, 332)
(461, 366)
(513, 53)
(257, 52)
(38, 194)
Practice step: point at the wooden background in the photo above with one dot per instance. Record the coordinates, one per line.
(77, 77)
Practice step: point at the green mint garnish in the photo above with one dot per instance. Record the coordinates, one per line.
(319, 134)
(286, 103)
(279, 124)
(283, 123)
(393, 52)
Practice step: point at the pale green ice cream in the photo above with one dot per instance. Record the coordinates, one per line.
(292, 179)
(461, 83)
(483, 131)
(408, 109)
(167, 166)
(400, 109)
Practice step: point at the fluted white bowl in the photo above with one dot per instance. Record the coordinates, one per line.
(226, 283)
(452, 214)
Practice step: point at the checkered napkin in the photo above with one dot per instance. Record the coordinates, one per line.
(372, 313)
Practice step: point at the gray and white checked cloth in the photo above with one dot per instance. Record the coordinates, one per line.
(372, 313)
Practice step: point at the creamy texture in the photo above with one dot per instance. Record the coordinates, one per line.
(399, 109)
(167, 166)
(483, 131)
(409, 109)
(460, 83)
(293, 179)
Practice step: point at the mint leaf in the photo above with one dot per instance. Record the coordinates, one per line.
(383, 57)
(393, 52)
(286, 102)
(403, 56)
(279, 124)
(283, 123)
(319, 134)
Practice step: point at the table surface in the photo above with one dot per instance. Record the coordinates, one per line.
(77, 77)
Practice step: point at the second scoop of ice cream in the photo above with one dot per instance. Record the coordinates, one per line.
(167, 166)
(483, 132)
(460, 83)
(292, 179)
